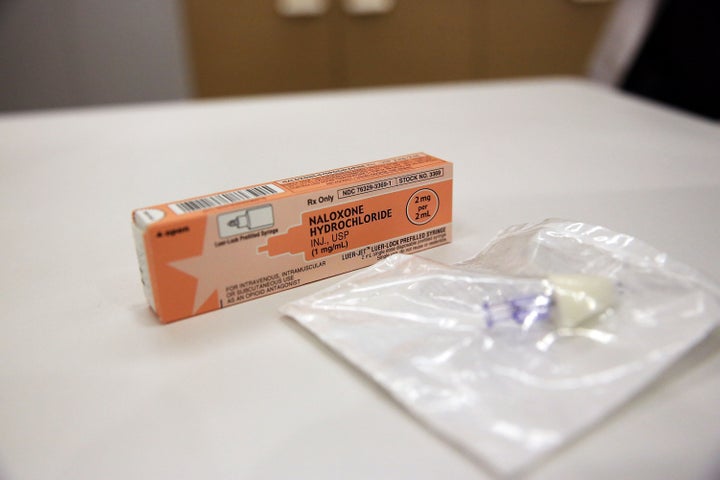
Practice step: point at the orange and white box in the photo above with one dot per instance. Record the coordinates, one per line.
(218, 250)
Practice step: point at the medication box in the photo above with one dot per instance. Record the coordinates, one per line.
(218, 250)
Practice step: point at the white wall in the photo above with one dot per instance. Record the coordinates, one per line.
(60, 53)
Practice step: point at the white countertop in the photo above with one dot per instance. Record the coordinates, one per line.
(92, 386)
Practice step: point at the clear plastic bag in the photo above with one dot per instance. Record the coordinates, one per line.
(472, 349)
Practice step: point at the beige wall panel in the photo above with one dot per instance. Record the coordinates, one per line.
(244, 47)
(536, 37)
(419, 41)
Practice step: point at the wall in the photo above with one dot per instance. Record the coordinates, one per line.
(240, 47)
(62, 53)
(82, 52)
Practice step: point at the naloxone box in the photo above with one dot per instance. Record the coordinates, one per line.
(218, 250)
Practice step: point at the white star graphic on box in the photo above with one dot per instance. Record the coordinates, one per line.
(209, 268)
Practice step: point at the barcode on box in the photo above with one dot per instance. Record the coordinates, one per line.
(227, 198)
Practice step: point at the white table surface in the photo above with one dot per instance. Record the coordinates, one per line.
(93, 387)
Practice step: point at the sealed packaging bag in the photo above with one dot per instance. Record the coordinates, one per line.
(512, 353)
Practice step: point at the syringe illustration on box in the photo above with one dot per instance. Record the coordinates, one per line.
(241, 221)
